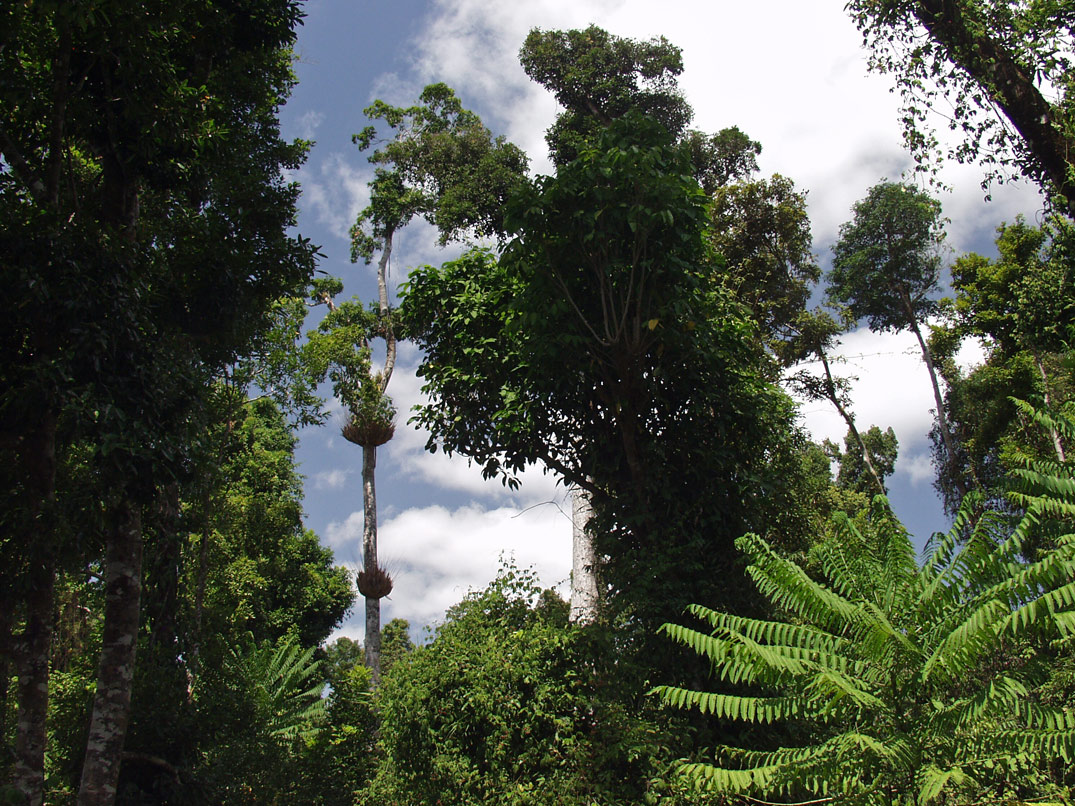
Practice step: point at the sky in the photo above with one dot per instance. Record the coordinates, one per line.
(790, 73)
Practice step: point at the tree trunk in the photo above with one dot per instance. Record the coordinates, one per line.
(369, 561)
(1058, 446)
(830, 389)
(1007, 85)
(115, 671)
(37, 460)
(33, 669)
(942, 420)
(584, 592)
(382, 300)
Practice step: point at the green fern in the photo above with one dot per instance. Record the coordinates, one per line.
(286, 685)
(885, 659)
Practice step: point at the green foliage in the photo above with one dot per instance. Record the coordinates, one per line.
(999, 69)
(1020, 307)
(265, 572)
(887, 261)
(285, 683)
(443, 164)
(598, 78)
(507, 705)
(883, 448)
(888, 664)
(600, 345)
(762, 232)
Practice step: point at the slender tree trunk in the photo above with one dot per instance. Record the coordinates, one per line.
(7, 654)
(1058, 446)
(115, 671)
(382, 297)
(830, 389)
(584, 592)
(33, 669)
(37, 459)
(942, 419)
(369, 560)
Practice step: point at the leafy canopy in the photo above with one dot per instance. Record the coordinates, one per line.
(887, 260)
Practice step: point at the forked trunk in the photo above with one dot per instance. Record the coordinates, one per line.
(115, 670)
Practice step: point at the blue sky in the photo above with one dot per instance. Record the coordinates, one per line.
(791, 73)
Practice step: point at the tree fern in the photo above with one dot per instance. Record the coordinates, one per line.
(886, 660)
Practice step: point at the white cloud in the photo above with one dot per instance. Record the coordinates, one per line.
(892, 389)
(336, 191)
(308, 123)
(332, 479)
(435, 555)
(792, 75)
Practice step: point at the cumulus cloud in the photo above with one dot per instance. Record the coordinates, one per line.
(436, 554)
(822, 120)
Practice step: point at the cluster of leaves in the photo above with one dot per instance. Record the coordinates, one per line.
(998, 72)
(891, 666)
(1019, 306)
(506, 705)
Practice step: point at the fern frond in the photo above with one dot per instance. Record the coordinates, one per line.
(757, 710)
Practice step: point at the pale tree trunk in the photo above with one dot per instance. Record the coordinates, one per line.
(382, 300)
(942, 419)
(1058, 446)
(369, 561)
(369, 465)
(584, 593)
(115, 671)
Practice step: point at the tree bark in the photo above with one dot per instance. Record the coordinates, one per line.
(1058, 446)
(1007, 84)
(584, 591)
(37, 460)
(115, 671)
(33, 668)
(382, 299)
(369, 561)
(942, 419)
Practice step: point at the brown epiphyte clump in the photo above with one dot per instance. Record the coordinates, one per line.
(369, 432)
(375, 584)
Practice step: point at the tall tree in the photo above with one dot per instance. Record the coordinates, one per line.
(887, 264)
(443, 164)
(761, 231)
(598, 78)
(1003, 67)
(598, 345)
(158, 147)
